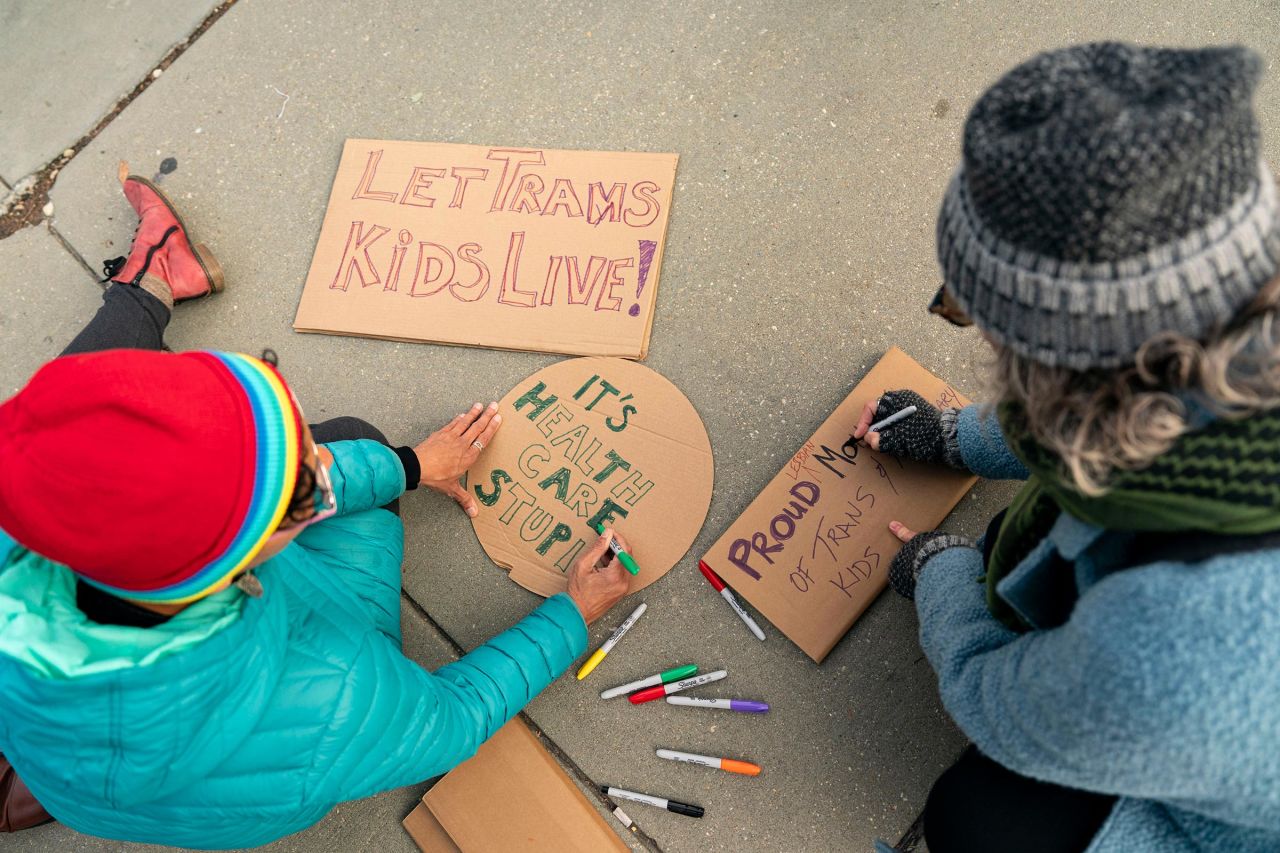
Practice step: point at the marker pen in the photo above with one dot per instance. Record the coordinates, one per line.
(651, 693)
(659, 802)
(728, 596)
(623, 557)
(598, 655)
(661, 678)
(744, 705)
(746, 768)
(893, 419)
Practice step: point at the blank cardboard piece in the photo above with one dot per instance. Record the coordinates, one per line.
(512, 795)
(427, 832)
(591, 439)
(812, 551)
(515, 248)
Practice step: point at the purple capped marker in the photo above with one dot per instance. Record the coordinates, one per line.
(744, 705)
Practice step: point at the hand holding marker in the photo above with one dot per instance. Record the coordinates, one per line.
(892, 419)
(623, 557)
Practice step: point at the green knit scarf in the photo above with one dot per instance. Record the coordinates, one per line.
(1223, 479)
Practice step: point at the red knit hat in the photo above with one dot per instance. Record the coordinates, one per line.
(155, 476)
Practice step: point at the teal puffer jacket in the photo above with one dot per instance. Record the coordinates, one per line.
(243, 720)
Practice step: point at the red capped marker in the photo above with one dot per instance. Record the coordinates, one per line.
(658, 691)
(728, 596)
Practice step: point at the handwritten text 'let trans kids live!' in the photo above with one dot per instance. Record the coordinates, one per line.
(419, 265)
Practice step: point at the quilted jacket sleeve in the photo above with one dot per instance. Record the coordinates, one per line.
(401, 724)
(982, 445)
(365, 474)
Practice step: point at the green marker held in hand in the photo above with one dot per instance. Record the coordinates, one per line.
(623, 557)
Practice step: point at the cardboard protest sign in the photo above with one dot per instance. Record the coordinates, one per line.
(511, 795)
(516, 248)
(591, 440)
(812, 551)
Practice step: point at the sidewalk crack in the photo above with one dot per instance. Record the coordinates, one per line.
(71, 250)
(28, 209)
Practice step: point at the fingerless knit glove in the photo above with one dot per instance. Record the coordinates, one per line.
(929, 435)
(906, 566)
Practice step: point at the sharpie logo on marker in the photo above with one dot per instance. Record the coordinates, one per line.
(694, 759)
(696, 680)
(661, 690)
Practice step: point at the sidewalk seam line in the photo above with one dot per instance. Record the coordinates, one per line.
(71, 250)
(36, 198)
(554, 748)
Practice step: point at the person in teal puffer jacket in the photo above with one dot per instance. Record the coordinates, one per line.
(1110, 646)
(200, 602)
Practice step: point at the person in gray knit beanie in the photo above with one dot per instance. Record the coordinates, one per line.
(1108, 193)
(1114, 233)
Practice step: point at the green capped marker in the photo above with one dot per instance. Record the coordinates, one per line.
(623, 557)
(652, 681)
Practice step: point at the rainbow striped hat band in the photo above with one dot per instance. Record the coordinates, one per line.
(277, 439)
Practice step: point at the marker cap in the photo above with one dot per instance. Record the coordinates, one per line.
(746, 768)
(711, 576)
(685, 809)
(648, 694)
(623, 557)
(628, 563)
(592, 663)
(749, 706)
(679, 672)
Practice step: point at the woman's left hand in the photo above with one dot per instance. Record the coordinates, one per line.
(905, 568)
(449, 452)
(897, 528)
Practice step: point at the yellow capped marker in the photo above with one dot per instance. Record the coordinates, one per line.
(594, 660)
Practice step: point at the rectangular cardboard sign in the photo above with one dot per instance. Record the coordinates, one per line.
(512, 795)
(516, 248)
(812, 551)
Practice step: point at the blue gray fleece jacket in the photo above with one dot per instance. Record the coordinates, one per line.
(241, 720)
(1162, 687)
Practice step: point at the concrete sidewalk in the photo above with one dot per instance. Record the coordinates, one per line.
(815, 143)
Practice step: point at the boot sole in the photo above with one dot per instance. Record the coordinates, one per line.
(208, 263)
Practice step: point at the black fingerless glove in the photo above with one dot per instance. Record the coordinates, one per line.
(929, 435)
(907, 564)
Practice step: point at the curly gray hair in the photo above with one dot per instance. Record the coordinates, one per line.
(1101, 422)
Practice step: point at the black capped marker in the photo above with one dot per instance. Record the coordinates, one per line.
(670, 805)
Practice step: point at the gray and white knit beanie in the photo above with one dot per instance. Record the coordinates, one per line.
(1110, 192)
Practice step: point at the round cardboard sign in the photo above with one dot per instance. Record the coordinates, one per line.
(592, 440)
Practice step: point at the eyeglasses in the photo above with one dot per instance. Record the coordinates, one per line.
(324, 502)
(946, 307)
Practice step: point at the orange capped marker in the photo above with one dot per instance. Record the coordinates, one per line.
(746, 768)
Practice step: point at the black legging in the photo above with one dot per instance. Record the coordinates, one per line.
(978, 806)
